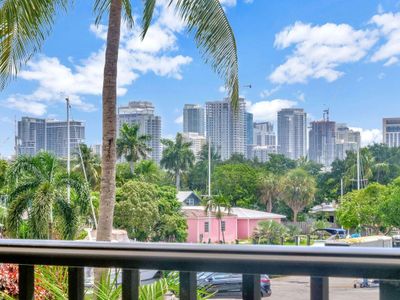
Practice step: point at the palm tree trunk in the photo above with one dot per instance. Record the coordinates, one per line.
(178, 180)
(107, 199)
(132, 167)
(269, 204)
(295, 215)
(223, 233)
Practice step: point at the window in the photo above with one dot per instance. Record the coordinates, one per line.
(206, 227)
(223, 225)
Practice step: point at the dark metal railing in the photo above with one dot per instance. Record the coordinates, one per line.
(319, 263)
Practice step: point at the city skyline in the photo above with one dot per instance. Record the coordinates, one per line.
(354, 76)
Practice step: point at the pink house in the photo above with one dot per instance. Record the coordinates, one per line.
(238, 224)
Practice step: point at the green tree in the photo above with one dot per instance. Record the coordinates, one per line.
(390, 205)
(3, 174)
(236, 182)
(219, 205)
(177, 157)
(362, 208)
(40, 190)
(149, 212)
(279, 164)
(89, 165)
(132, 145)
(269, 189)
(298, 190)
(269, 232)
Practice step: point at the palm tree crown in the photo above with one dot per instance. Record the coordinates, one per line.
(89, 165)
(132, 145)
(177, 157)
(40, 191)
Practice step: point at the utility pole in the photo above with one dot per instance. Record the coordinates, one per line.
(341, 189)
(68, 149)
(358, 169)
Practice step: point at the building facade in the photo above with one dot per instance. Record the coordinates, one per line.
(197, 141)
(346, 140)
(249, 135)
(35, 135)
(391, 132)
(292, 133)
(322, 139)
(142, 113)
(226, 127)
(193, 119)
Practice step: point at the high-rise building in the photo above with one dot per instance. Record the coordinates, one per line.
(31, 136)
(322, 139)
(96, 149)
(346, 140)
(264, 140)
(35, 135)
(57, 137)
(193, 119)
(249, 135)
(197, 141)
(292, 132)
(142, 113)
(391, 132)
(226, 127)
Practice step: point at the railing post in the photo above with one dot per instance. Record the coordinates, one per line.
(389, 289)
(187, 285)
(251, 288)
(130, 284)
(282, 240)
(297, 240)
(308, 240)
(26, 282)
(76, 283)
(319, 288)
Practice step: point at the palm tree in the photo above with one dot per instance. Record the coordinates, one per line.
(219, 205)
(298, 190)
(40, 191)
(177, 157)
(269, 190)
(205, 18)
(132, 145)
(89, 165)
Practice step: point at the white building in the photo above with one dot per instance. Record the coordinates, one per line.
(142, 113)
(292, 133)
(198, 141)
(346, 140)
(226, 127)
(96, 149)
(391, 132)
(261, 153)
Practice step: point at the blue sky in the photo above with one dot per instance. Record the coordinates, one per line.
(337, 54)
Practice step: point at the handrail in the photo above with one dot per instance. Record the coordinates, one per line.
(316, 262)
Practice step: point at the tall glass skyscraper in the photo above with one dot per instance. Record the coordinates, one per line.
(193, 119)
(292, 133)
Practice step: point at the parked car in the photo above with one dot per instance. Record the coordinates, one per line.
(227, 283)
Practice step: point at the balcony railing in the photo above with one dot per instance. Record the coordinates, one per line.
(319, 263)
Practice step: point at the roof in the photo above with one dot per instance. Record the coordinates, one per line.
(241, 213)
(244, 213)
(183, 195)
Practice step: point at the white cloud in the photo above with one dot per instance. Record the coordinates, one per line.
(136, 57)
(380, 9)
(301, 96)
(267, 110)
(266, 93)
(319, 51)
(222, 89)
(369, 136)
(179, 120)
(389, 27)
(228, 2)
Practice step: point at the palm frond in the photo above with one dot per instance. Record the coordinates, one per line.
(15, 212)
(41, 212)
(148, 11)
(24, 25)
(214, 37)
(68, 218)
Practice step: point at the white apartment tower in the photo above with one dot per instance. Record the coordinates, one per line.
(226, 127)
(292, 133)
(142, 113)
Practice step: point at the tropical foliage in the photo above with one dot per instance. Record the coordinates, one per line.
(220, 206)
(177, 157)
(38, 197)
(269, 232)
